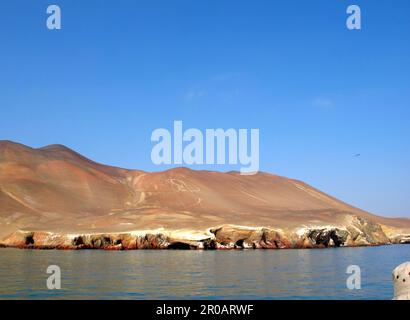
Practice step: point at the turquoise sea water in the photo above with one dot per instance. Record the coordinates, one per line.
(178, 274)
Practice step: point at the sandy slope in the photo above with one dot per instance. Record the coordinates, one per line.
(57, 190)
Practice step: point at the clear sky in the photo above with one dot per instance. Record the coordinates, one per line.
(318, 92)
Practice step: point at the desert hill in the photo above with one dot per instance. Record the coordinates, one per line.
(56, 195)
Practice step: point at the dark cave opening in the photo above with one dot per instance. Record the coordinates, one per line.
(78, 241)
(179, 246)
(29, 239)
(239, 243)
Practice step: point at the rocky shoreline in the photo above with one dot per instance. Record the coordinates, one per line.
(360, 232)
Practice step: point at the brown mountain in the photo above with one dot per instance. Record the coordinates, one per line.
(54, 197)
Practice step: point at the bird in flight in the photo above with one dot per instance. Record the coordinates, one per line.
(357, 155)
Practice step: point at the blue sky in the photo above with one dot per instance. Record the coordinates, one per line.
(318, 92)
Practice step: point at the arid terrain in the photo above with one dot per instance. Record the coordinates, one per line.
(53, 197)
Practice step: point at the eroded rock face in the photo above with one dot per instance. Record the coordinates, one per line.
(401, 239)
(227, 237)
(273, 239)
(360, 232)
(38, 240)
(233, 237)
(329, 237)
(152, 241)
(323, 238)
(121, 241)
(371, 233)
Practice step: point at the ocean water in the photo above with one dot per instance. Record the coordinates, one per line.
(179, 274)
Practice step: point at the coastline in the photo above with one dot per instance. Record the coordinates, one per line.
(359, 233)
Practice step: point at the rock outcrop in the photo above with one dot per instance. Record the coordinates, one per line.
(225, 237)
